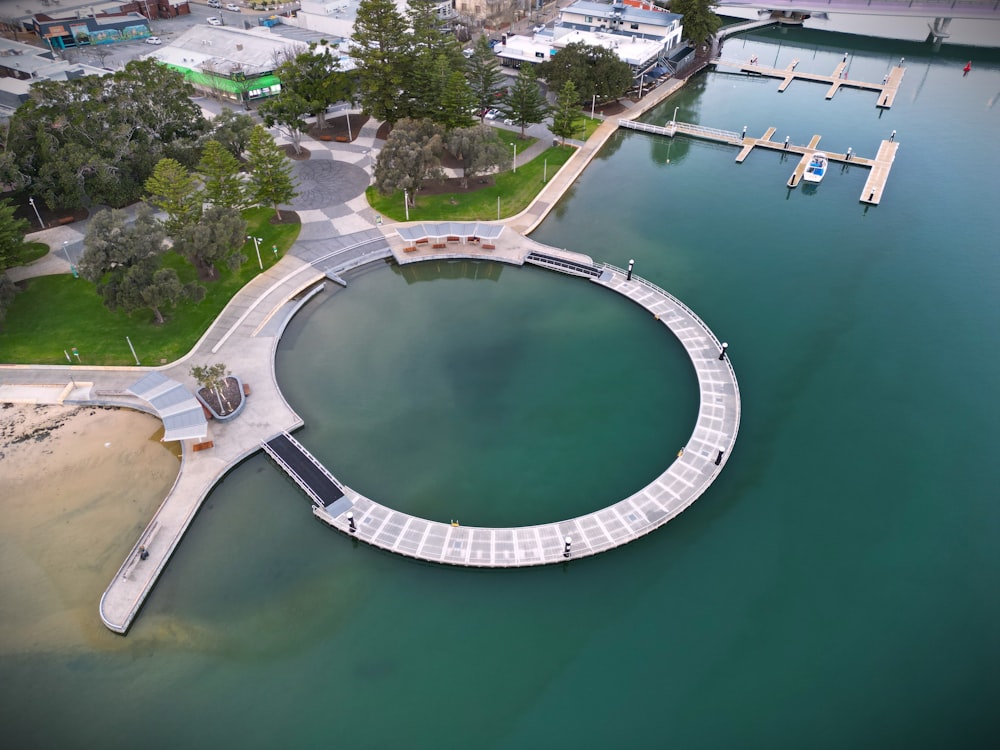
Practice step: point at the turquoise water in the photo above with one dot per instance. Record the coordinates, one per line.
(835, 588)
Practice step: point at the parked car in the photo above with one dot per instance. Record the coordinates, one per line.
(467, 53)
(213, 21)
(153, 40)
(214, 3)
(540, 28)
(493, 114)
(233, 7)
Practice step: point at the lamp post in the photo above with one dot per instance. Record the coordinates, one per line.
(256, 245)
(628, 276)
(674, 121)
(406, 203)
(31, 202)
(515, 157)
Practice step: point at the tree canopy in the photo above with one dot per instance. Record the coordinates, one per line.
(220, 172)
(123, 260)
(700, 21)
(594, 71)
(172, 189)
(218, 237)
(478, 148)
(96, 139)
(411, 154)
(485, 76)
(315, 77)
(566, 113)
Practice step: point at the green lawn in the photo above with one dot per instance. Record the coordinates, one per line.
(589, 125)
(515, 190)
(56, 313)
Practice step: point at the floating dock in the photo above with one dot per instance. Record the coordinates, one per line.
(880, 166)
(886, 90)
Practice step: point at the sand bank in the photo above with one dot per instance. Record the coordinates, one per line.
(77, 485)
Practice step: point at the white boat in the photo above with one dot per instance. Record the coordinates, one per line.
(816, 167)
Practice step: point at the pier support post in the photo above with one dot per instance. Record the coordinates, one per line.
(350, 523)
(628, 275)
(744, 134)
(848, 153)
(567, 543)
(718, 459)
(892, 136)
(722, 354)
(787, 138)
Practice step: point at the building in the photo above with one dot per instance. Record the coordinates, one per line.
(21, 65)
(336, 17)
(83, 30)
(645, 39)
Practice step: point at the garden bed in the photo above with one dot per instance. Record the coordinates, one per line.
(231, 403)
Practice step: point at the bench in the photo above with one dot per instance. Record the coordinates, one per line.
(488, 246)
(424, 241)
(65, 220)
(326, 137)
(246, 389)
(342, 139)
(454, 239)
(410, 249)
(439, 245)
(203, 446)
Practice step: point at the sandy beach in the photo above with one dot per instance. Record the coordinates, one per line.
(77, 485)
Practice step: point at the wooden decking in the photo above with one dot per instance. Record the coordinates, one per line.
(880, 166)
(886, 90)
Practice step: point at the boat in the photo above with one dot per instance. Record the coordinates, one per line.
(816, 168)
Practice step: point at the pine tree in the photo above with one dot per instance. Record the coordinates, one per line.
(566, 113)
(485, 76)
(524, 103)
(381, 54)
(270, 171)
(172, 189)
(220, 173)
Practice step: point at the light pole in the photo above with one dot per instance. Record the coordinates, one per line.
(515, 157)
(256, 245)
(31, 202)
(406, 203)
(674, 121)
(593, 105)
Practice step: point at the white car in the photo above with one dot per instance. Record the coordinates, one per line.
(213, 21)
(493, 114)
(233, 7)
(153, 40)
(214, 3)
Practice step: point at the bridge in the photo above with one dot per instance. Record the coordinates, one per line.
(975, 9)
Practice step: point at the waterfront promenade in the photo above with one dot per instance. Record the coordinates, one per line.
(340, 232)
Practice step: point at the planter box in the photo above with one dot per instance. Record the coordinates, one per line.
(235, 412)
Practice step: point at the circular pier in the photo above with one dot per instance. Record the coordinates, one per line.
(681, 483)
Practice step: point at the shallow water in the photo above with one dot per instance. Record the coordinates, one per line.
(834, 588)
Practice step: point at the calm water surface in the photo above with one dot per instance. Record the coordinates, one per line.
(835, 588)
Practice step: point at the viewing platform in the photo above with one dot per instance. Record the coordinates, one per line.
(687, 477)
(886, 90)
(880, 166)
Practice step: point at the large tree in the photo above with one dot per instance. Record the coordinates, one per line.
(124, 260)
(174, 190)
(381, 54)
(411, 155)
(594, 71)
(314, 75)
(485, 77)
(220, 172)
(700, 21)
(457, 103)
(478, 148)
(232, 130)
(95, 139)
(566, 113)
(288, 111)
(524, 103)
(217, 238)
(270, 171)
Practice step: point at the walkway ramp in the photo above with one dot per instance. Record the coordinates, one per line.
(304, 469)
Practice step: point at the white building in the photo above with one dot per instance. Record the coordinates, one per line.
(641, 38)
(336, 17)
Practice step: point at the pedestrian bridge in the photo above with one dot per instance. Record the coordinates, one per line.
(978, 9)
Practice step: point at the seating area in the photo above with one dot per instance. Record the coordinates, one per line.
(438, 236)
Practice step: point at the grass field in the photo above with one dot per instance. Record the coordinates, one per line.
(56, 313)
(514, 189)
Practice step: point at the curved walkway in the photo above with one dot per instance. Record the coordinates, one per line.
(683, 482)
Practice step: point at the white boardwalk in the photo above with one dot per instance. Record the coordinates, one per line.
(675, 489)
